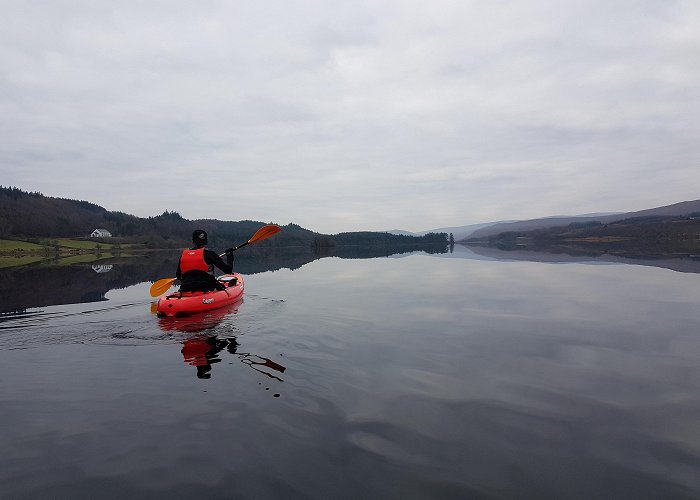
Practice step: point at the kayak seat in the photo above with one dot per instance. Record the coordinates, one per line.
(230, 281)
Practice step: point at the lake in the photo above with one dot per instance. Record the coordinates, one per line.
(415, 376)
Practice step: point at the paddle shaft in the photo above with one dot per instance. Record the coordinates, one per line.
(261, 234)
(235, 248)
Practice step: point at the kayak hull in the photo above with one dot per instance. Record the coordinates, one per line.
(187, 303)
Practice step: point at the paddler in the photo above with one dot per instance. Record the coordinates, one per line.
(193, 269)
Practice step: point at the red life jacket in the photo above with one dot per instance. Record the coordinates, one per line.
(193, 260)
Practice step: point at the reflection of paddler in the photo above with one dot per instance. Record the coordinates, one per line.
(202, 352)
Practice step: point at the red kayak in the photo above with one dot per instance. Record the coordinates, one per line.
(186, 303)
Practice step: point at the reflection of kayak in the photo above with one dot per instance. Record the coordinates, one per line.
(185, 303)
(194, 323)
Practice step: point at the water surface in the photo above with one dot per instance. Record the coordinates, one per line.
(412, 376)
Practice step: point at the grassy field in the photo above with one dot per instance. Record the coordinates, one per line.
(80, 244)
(68, 251)
(25, 246)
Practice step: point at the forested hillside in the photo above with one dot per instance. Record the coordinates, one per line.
(641, 235)
(31, 216)
(681, 209)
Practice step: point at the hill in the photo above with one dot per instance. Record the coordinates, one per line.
(33, 216)
(676, 210)
(649, 235)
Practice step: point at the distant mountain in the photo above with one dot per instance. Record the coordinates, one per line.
(488, 229)
(459, 232)
(599, 214)
(641, 236)
(677, 209)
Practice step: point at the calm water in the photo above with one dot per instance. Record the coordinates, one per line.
(413, 376)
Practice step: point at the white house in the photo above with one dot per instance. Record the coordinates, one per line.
(100, 233)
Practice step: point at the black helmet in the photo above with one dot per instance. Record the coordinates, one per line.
(199, 237)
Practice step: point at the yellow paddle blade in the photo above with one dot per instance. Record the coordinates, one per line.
(265, 232)
(161, 286)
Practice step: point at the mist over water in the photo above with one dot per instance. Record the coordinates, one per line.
(412, 376)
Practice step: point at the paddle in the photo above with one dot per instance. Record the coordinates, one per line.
(161, 286)
(260, 234)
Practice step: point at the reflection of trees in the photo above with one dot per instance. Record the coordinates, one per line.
(360, 252)
(49, 283)
(44, 284)
(271, 259)
(683, 263)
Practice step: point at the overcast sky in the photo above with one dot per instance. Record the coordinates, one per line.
(353, 115)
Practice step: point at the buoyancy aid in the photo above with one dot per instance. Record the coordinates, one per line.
(193, 260)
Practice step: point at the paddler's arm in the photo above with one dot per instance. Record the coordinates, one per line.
(178, 273)
(212, 258)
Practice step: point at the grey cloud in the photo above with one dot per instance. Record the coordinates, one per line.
(355, 113)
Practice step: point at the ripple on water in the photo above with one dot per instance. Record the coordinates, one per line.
(125, 323)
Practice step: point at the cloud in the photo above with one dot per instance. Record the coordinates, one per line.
(337, 116)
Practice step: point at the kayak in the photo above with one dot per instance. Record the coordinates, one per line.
(187, 303)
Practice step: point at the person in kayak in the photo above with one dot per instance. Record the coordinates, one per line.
(196, 262)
